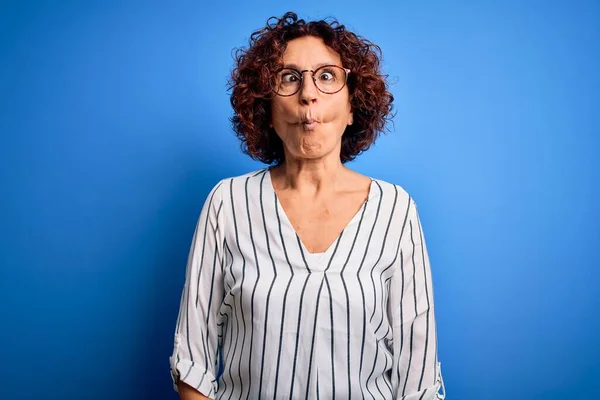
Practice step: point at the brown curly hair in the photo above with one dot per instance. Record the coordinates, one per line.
(250, 80)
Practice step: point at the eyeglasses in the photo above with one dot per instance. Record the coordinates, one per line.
(329, 79)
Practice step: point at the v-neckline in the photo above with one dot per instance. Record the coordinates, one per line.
(313, 258)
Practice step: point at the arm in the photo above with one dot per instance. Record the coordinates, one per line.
(186, 392)
(194, 361)
(416, 373)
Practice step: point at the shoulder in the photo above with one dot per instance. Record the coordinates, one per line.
(251, 177)
(231, 185)
(399, 201)
(392, 190)
(258, 173)
(404, 209)
(232, 190)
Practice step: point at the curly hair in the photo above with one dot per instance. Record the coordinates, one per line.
(251, 94)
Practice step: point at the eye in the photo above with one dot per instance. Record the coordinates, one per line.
(327, 76)
(289, 77)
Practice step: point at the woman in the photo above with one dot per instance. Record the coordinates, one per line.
(306, 279)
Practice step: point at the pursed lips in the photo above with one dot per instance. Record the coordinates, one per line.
(309, 123)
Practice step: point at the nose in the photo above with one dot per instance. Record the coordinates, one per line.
(308, 90)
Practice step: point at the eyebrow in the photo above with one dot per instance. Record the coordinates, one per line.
(294, 66)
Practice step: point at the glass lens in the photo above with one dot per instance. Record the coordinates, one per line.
(287, 82)
(330, 78)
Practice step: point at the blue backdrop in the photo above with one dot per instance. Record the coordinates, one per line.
(114, 127)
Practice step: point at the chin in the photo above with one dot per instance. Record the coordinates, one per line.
(313, 154)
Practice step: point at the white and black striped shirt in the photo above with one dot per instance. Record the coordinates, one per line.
(354, 322)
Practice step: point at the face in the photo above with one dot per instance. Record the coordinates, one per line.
(311, 123)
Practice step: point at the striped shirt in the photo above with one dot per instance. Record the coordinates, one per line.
(262, 318)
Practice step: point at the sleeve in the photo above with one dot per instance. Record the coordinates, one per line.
(194, 359)
(416, 372)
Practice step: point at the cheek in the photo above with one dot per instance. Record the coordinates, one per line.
(340, 106)
(280, 109)
(338, 113)
(274, 112)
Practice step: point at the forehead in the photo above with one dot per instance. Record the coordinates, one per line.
(308, 52)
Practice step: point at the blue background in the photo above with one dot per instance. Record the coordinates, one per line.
(114, 127)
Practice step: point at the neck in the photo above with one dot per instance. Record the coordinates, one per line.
(311, 177)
